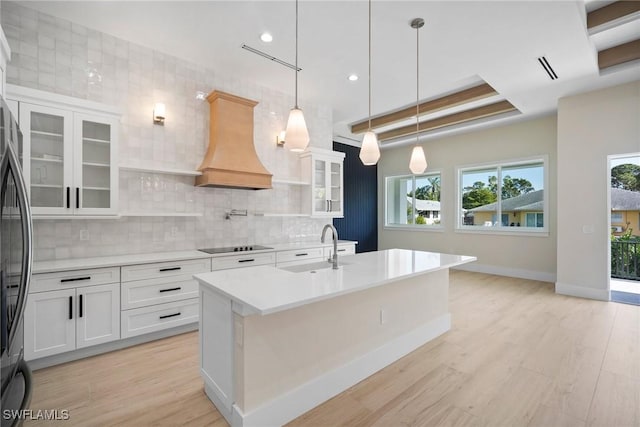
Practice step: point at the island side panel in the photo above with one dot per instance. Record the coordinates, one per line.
(216, 348)
(283, 354)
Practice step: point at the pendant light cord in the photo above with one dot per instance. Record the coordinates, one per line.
(296, 69)
(417, 82)
(369, 64)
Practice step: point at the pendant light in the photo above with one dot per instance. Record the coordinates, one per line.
(369, 151)
(297, 135)
(418, 162)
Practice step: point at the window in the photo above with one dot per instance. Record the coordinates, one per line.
(413, 201)
(616, 217)
(535, 219)
(503, 197)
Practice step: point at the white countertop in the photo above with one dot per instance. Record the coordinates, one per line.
(114, 261)
(266, 289)
(131, 259)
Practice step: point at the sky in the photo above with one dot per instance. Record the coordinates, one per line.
(535, 175)
(623, 160)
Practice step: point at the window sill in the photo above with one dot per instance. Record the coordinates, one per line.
(504, 231)
(432, 228)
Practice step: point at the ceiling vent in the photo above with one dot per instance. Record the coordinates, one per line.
(547, 67)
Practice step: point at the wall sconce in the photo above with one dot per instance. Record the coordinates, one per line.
(280, 138)
(158, 113)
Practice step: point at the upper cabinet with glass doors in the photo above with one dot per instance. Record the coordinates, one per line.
(324, 195)
(70, 153)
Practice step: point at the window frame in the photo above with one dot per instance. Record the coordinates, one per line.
(500, 229)
(414, 227)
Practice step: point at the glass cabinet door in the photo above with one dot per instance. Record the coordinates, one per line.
(320, 198)
(95, 170)
(47, 135)
(335, 188)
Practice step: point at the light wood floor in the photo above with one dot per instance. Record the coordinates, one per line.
(517, 355)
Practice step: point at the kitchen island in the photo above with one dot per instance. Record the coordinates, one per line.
(276, 342)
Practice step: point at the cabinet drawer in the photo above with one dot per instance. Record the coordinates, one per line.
(165, 269)
(141, 293)
(73, 278)
(298, 255)
(245, 260)
(144, 320)
(342, 250)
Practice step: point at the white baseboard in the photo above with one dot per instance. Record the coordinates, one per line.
(296, 402)
(582, 291)
(70, 356)
(506, 271)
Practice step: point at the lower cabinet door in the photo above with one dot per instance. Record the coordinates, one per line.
(144, 320)
(98, 314)
(50, 323)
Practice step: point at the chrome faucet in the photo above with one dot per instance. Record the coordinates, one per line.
(333, 259)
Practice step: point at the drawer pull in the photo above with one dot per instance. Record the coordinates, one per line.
(81, 309)
(170, 315)
(162, 270)
(342, 250)
(170, 289)
(70, 308)
(75, 279)
(12, 286)
(302, 254)
(247, 260)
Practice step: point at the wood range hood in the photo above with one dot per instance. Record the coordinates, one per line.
(231, 160)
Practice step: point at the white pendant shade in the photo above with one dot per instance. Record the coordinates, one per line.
(369, 151)
(297, 134)
(418, 162)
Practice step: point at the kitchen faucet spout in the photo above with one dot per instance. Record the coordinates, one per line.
(334, 234)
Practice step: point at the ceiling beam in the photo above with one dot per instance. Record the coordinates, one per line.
(619, 54)
(467, 95)
(611, 12)
(451, 119)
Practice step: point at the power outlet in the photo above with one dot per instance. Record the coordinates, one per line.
(174, 231)
(383, 316)
(84, 234)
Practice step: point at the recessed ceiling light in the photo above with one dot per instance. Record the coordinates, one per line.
(201, 96)
(353, 77)
(266, 37)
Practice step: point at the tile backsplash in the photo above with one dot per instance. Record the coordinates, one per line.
(59, 56)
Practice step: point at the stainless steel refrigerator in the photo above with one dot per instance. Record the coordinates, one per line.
(15, 270)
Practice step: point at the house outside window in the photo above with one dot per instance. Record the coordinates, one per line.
(535, 219)
(503, 197)
(413, 201)
(616, 217)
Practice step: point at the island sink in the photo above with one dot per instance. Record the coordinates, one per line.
(311, 267)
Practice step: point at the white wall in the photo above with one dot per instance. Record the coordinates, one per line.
(56, 55)
(519, 256)
(591, 126)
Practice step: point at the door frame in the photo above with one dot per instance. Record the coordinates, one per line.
(610, 159)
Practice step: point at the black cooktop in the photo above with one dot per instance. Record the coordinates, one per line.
(234, 249)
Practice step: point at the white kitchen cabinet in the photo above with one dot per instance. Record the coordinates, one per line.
(343, 249)
(64, 320)
(70, 153)
(248, 259)
(49, 324)
(324, 197)
(298, 256)
(153, 318)
(98, 315)
(161, 295)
